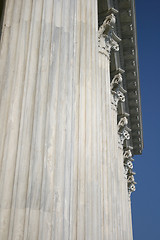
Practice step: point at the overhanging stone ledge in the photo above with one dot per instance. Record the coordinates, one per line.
(131, 66)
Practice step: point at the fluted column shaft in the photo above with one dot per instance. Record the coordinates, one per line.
(57, 133)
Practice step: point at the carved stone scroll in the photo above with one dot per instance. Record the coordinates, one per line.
(123, 130)
(107, 39)
(117, 90)
(116, 81)
(127, 154)
(122, 123)
(131, 188)
(129, 174)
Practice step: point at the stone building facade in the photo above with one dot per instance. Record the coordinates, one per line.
(70, 119)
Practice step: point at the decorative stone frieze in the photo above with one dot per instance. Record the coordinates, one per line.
(107, 39)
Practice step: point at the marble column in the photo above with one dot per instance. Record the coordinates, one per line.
(58, 150)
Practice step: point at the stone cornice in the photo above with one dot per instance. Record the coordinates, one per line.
(129, 56)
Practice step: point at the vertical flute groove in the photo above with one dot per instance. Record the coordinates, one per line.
(61, 168)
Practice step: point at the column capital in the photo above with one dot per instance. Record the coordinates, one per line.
(117, 90)
(107, 39)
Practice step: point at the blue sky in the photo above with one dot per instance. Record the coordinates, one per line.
(146, 199)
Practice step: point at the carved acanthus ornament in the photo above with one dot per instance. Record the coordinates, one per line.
(127, 154)
(122, 123)
(117, 90)
(123, 130)
(129, 174)
(107, 39)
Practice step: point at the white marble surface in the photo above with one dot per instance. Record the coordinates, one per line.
(61, 170)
